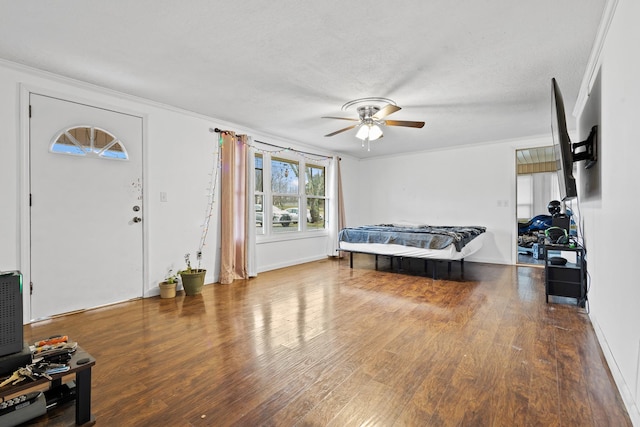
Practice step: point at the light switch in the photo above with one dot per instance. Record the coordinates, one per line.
(163, 196)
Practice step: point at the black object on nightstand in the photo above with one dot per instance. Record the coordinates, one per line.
(568, 280)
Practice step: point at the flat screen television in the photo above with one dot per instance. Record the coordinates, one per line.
(565, 152)
(562, 145)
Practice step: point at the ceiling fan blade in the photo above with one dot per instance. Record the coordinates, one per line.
(385, 111)
(341, 130)
(404, 123)
(340, 118)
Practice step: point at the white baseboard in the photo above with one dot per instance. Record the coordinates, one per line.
(289, 263)
(625, 392)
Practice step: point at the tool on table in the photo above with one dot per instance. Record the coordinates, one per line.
(34, 372)
(49, 357)
(51, 342)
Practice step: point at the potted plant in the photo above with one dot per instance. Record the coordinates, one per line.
(168, 286)
(192, 278)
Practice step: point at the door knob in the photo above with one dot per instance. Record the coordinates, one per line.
(136, 208)
(137, 219)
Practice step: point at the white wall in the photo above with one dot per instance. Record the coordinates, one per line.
(609, 202)
(352, 188)
(180, 161)
(473, 185)
(270, 254)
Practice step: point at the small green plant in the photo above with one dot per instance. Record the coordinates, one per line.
(170, 277)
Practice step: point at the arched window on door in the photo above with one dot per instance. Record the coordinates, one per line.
(88, 141)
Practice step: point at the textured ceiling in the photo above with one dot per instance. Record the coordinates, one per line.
(474, 71)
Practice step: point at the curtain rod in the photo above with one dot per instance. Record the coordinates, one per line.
(293, 149)
(217, 130)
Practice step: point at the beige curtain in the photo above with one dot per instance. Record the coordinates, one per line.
(336, 220)
(342, 220)
(233, 208)
(252, 264)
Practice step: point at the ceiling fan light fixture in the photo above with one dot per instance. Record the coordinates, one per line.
(363, 132)
(371, 117)
(374, 132)
(369, 131)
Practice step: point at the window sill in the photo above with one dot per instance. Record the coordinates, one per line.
(293, 235)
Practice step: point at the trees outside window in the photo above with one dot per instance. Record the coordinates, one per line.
(293, 202)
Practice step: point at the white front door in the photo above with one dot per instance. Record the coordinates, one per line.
(86, 206)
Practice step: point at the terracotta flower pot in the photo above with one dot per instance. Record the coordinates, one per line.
(167, 290)
(194, 281)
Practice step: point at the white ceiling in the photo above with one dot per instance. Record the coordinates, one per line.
(474, 71)
(535, 155)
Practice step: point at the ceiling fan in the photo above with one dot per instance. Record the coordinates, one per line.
(371, 118)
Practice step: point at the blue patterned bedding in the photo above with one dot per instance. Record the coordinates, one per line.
(419, 236)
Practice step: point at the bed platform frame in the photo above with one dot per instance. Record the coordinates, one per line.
(400, 258)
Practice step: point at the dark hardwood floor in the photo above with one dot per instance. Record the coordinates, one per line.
(322, 344)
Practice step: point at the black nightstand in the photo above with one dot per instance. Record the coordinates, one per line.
(567, 280)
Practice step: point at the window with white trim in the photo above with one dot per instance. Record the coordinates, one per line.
(315, 191)
(258, 192)
(285, 197)
(289, 194)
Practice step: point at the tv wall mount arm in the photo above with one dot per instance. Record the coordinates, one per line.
(590, 151)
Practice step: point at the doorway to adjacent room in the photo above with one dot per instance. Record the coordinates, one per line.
(536, 186)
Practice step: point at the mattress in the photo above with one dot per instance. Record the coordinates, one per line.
(413, 236)
(390, 249)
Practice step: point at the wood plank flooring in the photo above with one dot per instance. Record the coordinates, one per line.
(321, 344)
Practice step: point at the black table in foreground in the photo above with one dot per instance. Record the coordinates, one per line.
(82, 372)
